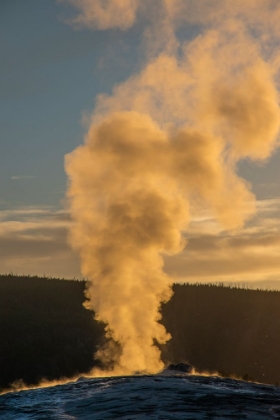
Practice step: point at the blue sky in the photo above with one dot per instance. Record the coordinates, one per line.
(50, 75)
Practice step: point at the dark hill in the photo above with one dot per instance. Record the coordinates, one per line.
(47, 333)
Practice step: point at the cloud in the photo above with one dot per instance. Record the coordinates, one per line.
(34, 241)
(249, 255)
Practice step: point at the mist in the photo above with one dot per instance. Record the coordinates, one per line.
(164, 144)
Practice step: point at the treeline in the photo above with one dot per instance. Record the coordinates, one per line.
(233, 331)
(46, 332)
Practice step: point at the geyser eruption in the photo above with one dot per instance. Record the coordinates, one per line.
(168, 140)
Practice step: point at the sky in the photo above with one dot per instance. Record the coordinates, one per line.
(51, 75)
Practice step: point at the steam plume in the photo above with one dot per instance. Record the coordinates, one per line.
(167, 140)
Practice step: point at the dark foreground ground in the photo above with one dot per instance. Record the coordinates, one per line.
(145, 397)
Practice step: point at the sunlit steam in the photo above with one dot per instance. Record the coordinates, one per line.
(167, 140)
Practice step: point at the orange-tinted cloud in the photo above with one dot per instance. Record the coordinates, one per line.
(249, 255)
(34, 242)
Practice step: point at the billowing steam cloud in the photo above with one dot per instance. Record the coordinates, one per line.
(167, 140)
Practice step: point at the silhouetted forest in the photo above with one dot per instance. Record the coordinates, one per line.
(47, 333)
(233, 331)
